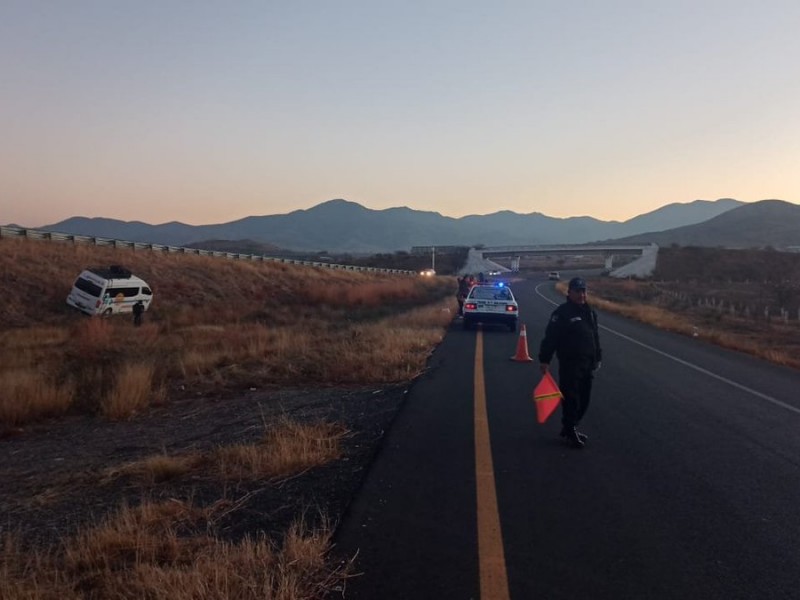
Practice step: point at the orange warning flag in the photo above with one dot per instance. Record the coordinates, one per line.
(546, 396)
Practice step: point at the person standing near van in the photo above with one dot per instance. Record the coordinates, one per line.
(572, 335)
(138, 311)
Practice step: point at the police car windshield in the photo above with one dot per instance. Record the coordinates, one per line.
(491, 293)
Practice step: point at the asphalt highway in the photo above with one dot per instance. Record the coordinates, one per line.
(688, 487)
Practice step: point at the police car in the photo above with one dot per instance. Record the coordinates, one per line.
(491, 304)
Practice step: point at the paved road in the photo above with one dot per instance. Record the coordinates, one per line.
(689, 486)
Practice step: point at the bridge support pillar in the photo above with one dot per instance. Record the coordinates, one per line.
(609, 262)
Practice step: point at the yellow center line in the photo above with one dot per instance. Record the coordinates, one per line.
(491, 557)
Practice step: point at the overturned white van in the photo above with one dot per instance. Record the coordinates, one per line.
(108, 290)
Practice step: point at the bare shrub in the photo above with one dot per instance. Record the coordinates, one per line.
(131, 393)
(380, 353)
(94, 338)
(290, 447)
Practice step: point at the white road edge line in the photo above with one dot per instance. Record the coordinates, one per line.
(739, 386)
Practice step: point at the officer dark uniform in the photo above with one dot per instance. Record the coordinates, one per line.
(572, 335)
(138, 309)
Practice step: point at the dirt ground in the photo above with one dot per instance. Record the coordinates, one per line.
(52, 473)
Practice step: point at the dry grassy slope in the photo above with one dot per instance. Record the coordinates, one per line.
(37, 276)
(217, 371)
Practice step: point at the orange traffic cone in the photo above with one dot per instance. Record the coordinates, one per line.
(522, 347)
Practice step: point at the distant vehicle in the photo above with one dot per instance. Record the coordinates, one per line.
(108, 290)
(554, 275)
(427, 272)
(495, 272)
(491, 304)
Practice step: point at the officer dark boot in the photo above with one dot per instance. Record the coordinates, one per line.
(575, 439)
(565, 431)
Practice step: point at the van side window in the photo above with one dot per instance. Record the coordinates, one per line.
(128, 292)
(87, 286)
(147, 291)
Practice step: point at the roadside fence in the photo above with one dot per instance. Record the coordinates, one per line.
(36, 234)
(743, 310)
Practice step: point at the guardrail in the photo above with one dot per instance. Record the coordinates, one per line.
(36, 234)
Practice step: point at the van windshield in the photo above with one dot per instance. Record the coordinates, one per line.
(87, 286)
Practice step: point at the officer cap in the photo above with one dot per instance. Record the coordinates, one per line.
(577, 283)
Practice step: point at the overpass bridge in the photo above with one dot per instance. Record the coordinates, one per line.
(642, 266)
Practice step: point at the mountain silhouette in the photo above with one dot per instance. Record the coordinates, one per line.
(344, 226)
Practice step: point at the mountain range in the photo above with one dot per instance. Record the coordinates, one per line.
(339, 226)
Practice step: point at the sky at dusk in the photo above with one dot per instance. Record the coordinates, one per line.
(207, 112)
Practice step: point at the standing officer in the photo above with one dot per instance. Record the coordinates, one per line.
(138, 310)
(572, 335)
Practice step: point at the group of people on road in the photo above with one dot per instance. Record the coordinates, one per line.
(465, 284)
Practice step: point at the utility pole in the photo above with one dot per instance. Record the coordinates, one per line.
(433, 257)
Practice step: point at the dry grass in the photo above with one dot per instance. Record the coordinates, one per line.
(171, 550)
(165, 551)
(27, 395)
(214, 323)
(158, 468)
(131, 393)
(287, 448)
(777, 341)
(32, 345)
